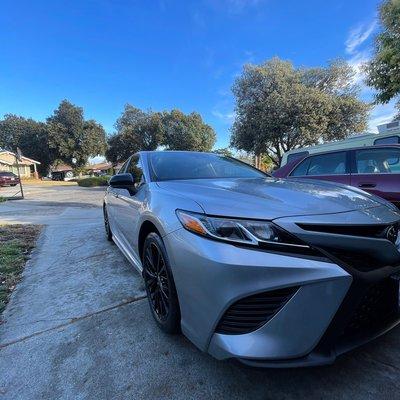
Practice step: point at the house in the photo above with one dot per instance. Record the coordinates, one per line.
(27, 167)
(104, 168)
(61, 172)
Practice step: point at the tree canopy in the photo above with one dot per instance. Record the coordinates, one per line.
(186, 132)
(135, 130)
(73, 139)
(280, 107)
(29, 135)
(147, 130)
(384, 69)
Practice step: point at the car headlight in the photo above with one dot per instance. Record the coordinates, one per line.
(241, 231)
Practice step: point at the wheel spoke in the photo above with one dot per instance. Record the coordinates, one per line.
(150, 274)
(155, 257)
(163, 293)
(164, 303)
(152, 283)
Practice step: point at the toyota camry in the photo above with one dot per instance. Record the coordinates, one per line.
(272, 272)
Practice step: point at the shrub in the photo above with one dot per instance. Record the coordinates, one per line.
(94, 181)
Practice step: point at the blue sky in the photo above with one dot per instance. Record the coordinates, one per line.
(166, 54)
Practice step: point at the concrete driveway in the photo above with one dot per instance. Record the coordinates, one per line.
(78, 327)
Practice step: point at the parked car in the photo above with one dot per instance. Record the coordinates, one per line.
(375, 169)
(388, 134)
(269, 271)
(8, 179)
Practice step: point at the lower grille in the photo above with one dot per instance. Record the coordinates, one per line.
(250, 313)
(359, 261)
(377, 306)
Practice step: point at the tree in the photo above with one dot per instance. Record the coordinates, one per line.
(384, 69)
(30, 136)
(279, 107)
(138, 130)
(186, 132)
(72, 139)
(135, 130)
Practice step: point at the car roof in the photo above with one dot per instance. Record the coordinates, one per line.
(375, 146)
(176, 151)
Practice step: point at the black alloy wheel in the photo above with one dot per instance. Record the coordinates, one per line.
(160, 286)
(107, 225)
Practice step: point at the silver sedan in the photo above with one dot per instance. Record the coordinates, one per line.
(268, 271)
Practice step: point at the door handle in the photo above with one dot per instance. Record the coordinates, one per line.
(367, 185)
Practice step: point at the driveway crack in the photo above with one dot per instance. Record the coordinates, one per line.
(74, 320)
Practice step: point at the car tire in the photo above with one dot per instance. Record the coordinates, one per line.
(14, 184)
(160, 285)
(107, 225)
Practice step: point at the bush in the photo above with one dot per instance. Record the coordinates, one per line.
(94, 181)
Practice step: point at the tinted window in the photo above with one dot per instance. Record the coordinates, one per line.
(174, 165)
(135, 168)
(7, 174)
(388, 140)
(295, 156)
(324, 164)
(378, 161)
(122, 169)
(301, 169)
(328, 164)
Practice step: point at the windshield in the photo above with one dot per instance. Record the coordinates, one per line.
(6, 174)
(166, 165)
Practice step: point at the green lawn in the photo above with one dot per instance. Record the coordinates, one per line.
(16, 244)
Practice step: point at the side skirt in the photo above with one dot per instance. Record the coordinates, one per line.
(131, 258)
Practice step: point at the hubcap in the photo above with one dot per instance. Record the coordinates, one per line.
(156, 280)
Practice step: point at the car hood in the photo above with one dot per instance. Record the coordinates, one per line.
(270, 198)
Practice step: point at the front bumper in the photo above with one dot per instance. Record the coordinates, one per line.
(310, 329)
(210, 276)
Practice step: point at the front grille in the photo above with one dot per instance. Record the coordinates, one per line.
(376, 308)
(373, 231)
(359, 247)
(250, 313)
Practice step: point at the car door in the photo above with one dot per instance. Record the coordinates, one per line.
(377, 170)
(112, 205)
(129, 203)
(333, 167)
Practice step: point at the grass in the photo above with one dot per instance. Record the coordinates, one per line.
(94, 181)
(16, 244)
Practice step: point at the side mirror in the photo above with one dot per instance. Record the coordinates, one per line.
(123, 181)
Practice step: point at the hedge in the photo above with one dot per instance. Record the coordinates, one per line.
(94, 181)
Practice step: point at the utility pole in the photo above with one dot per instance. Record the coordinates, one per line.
(18, 157)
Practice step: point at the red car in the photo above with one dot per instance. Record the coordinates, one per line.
(375, 169)
(8, 179)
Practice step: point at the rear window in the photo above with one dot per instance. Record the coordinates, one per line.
(388, 140)
(7, 174)
(378, 161)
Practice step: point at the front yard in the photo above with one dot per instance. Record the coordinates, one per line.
(16, 244)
